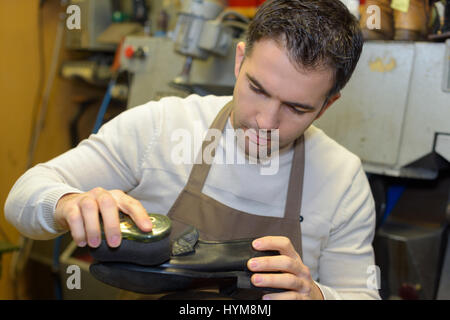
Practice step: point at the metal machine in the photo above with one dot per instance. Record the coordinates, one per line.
(395, 111)
(412, 245)
(201, 31)
(199, 58)
(154, 74)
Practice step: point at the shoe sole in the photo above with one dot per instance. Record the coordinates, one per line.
(150, 280)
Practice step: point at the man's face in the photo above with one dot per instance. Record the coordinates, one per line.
(270, 93)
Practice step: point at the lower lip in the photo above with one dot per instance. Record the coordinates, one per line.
(255, 138)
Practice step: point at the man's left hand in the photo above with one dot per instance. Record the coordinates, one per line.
(295, 277)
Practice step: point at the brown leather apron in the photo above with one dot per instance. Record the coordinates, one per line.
(216, 221)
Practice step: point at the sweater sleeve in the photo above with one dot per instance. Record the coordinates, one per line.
(110, 159)
(347, 262)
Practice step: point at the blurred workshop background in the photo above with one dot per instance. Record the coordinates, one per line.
(69, 66)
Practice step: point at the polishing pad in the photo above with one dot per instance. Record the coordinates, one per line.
(139, 247)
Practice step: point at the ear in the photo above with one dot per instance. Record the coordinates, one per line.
(240, 54)
(329, 103)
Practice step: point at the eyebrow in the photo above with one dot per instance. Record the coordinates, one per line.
(291, 104)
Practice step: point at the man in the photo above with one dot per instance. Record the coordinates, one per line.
(297, 57)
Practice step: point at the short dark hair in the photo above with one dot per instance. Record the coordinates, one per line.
(316, 33)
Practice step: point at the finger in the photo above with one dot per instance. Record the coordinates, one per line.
(134, 209)
(281, 281)
(76, 225)
(89, 211)
(279, 263)
(277, 243)
(110, 216)
(287, 295)
(96, 192)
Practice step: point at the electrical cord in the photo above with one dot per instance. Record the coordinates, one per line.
(46, 95)
(37, 98)
(236, 14)
(236, 24)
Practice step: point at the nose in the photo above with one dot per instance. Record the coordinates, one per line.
(268, 117)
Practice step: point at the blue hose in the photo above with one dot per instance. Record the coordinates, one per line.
(55, 267)
(104, 106)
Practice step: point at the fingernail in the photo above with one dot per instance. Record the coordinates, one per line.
(82, 243)
(257, 279)
(95, 242)
(253, 263)
(256, 244)
(147, 224)
(267, 298)
(115, 240)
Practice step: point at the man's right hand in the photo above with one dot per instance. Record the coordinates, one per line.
(79, 213)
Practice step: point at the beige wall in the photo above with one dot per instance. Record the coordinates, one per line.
(19, 76)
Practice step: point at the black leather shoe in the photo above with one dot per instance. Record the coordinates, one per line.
(143, 248)
(194, 264)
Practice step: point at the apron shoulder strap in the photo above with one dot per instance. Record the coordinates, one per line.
(296, 178)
